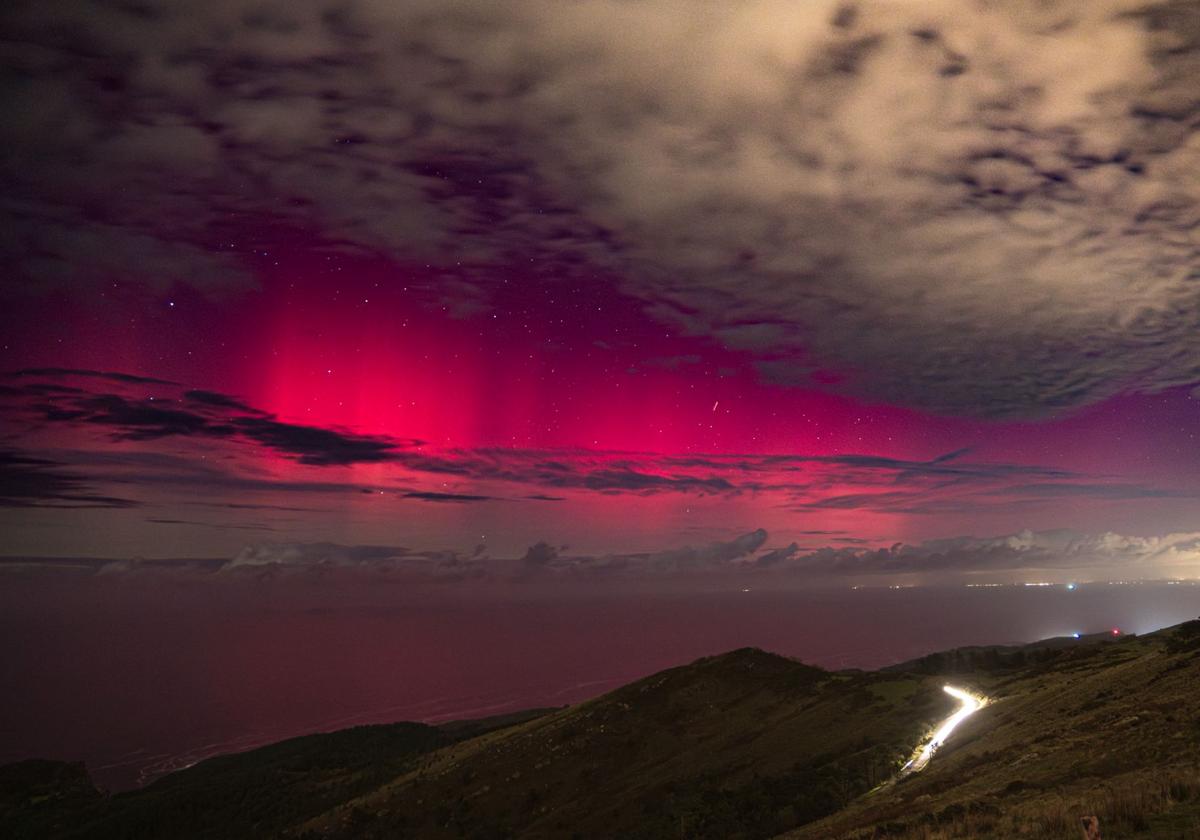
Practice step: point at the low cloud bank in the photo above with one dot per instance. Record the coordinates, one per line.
(749, 556)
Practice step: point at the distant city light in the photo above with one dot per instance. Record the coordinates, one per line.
(1071, 587)
(1074, 635)
(1116, 631)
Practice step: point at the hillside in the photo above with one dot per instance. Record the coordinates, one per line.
(742, 745)
(259, 793)
(1110, 728)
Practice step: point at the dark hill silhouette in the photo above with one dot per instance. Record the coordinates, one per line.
(746, 744)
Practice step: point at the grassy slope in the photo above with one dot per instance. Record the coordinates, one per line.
(252, 794)
(747, 744)
(740, 745)
(1105, 729)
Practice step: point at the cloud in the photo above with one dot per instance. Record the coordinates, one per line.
(1038, 551)
(199, 414)
(246, 506)
(973, 208)
(216, 400)
(95, 374)
(219, 525)
(29, 482)
(967, 490)
(539, 556)
(142, 435)
(777, 555)
(128, 468)
(273, 559)
(1097, 491)
(316, 446)
(313, 554)
(713, 557)
(541, 560)
(1013, 557)
(1026, 550)
(428, 496)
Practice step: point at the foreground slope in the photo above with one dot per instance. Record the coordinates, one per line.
(1107, 729)
(259, 793)
(741, 745)
(747, 744)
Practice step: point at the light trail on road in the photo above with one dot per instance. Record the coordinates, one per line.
(971, 703)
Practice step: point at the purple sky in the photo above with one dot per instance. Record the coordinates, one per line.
(474, 292)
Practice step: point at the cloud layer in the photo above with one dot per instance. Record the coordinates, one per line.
(975, 208)
(184, 414)
(1055, 555)
(129, 432)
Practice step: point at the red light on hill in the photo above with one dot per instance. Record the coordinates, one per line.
(1116, 631)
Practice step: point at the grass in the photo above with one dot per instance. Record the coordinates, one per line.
(744, 745)
(1162, 804)
(1104, 729)
(258, 793)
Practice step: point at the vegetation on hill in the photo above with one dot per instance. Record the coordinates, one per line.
(746, 744)
(259, 793)
(43, 796)
(1108, 727)
(743, 745)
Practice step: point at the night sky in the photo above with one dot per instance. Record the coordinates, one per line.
(488, 293)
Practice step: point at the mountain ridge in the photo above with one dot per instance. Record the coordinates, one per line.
(744, 744)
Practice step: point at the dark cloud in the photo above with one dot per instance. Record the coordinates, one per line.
(165, 469)
(938, 497)
(858, 501)
(429, 496)
(777, 555)
(949, 467)
(540, 560)
(29, 482)
(220, 525)
(91, 374)
(212, 398)
(146, 413)
(540, 556)
(1097, 491)
(714, 556)
(595, 471)
(629, 480)
(246, 506)
(197, 414)
(142, 420)
(317, 446)
(277, 558)
(314, 554)
(1014, 238)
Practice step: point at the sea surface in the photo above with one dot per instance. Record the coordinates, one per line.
(141, 679)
